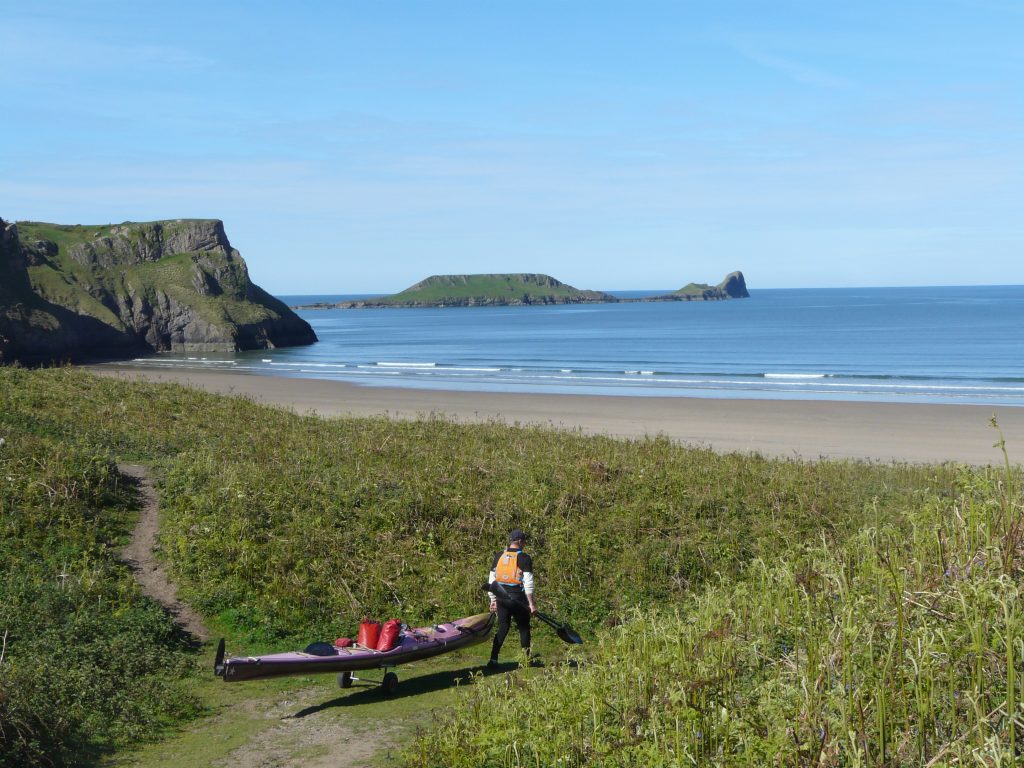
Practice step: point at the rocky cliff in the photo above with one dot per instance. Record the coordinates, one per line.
(75, 292)
(732, 287)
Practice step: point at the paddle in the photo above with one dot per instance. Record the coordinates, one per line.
(566, 633)
(218, 663)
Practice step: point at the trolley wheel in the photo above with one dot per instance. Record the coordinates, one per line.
(344, 679)
(389, 684)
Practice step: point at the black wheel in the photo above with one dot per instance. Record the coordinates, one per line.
(344, 679)
(389, 684)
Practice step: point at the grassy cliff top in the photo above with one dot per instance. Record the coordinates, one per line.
(693, 289)
(67, 236)
(488, 286)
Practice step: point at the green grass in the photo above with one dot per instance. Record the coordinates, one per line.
(66, 236)
(284, 529)
(506, 287)
(900, 648)
(88, 663)
(694, 289)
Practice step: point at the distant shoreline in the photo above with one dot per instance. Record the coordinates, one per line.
(805, 429)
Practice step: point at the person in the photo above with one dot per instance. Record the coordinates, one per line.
(513, 570)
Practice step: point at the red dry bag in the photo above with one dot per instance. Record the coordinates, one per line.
(343, 642)
(369, 633)
(389, 635)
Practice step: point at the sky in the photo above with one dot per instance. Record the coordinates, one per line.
(358, 147)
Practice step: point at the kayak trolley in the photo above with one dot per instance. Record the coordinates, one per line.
(388, 685)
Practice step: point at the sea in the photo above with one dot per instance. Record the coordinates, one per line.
(907, 345)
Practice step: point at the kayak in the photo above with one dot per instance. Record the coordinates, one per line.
(413, 644)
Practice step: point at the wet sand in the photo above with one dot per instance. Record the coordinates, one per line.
(798, 429)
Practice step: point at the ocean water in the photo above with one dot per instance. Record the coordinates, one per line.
(925, 345)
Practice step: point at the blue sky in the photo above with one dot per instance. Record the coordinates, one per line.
(359, 147)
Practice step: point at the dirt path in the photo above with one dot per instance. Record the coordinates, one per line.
(139, 555)
(297, 732)
(302, 733)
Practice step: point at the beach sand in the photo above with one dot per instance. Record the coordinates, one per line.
(782, 428)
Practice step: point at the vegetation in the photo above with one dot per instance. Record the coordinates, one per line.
(902, 647)
(510, 288)
(284, 528)
(66, 236)
(86, 662)
(694, 289)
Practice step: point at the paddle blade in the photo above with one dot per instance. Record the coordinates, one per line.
(218, 663)
(565, 633)
(568, 635)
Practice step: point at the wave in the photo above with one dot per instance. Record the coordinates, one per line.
(603, 376)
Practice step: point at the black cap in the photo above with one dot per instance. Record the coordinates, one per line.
(517, 535)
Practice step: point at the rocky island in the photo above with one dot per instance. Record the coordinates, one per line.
(75, 292)
(523, 290)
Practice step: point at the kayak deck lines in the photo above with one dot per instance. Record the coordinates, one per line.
(412, 645)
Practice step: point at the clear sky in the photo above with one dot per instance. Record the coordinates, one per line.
(357, 147)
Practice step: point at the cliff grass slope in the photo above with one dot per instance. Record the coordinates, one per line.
(512, 289)
(79, 291)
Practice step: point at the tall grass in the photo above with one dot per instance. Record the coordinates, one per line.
(289, 528)
(87, 663)
(901, 647)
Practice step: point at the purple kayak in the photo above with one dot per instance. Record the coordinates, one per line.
(413, 644)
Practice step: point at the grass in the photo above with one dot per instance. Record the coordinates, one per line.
(694, 289)
(283, 529)
(240, 714)
(66, 236)
(511, 287)
(88, 663)
(900, 648)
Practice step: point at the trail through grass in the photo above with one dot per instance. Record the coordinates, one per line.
(281, 529)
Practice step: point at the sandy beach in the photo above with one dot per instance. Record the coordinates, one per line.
(796, 429)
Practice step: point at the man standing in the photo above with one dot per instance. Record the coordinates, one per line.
(513, 571)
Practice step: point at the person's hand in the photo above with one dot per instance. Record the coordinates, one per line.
(494, 607)
(533, 607)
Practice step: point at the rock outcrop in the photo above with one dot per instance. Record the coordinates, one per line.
(74, 292)
(732, 287)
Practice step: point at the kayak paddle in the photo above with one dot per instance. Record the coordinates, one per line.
(565, 633)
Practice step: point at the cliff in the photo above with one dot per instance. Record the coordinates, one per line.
(78, 292)
(732, 287)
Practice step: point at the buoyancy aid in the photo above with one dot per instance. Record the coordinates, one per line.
(507, 570)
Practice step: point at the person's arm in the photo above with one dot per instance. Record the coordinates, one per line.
(491, 578)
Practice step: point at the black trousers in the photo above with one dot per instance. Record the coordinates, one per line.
(506, 612)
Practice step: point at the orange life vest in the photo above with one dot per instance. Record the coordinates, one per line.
(507, 570)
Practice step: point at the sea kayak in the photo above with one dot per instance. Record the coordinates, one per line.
(413, 644)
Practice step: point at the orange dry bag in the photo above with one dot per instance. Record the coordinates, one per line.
(389, 635)
(369, 633)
